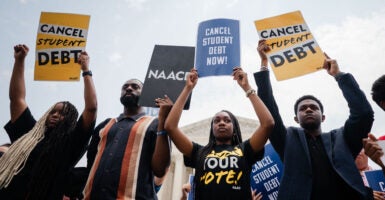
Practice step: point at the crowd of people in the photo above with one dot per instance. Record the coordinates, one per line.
(128, 156)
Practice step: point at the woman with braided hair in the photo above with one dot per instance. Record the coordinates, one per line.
(42, 152)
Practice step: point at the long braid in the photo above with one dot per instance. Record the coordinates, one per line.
(236, 140)
(54, 158)
(13, 161)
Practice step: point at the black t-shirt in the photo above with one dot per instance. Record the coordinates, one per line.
(225, 173)
(18, 187)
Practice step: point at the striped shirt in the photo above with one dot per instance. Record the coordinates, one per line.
(120, 155)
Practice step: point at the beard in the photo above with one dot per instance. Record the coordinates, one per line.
(311, 126)
(129, 101)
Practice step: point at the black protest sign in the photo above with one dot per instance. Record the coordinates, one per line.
(166, 74)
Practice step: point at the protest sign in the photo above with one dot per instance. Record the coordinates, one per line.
(376, 179)
(166, 74)
(294, 50)
(190, 195)
(266, 174)
(61, 37)
(218, 47)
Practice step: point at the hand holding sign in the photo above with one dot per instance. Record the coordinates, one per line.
(263, 48)
(331, 66)
(167, 73)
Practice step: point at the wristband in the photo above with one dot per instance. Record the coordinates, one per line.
(249, 92)
(162, 132)
(87, 73)
(264, 68)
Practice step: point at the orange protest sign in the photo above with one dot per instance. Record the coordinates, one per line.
(61, 37)
(294, 51)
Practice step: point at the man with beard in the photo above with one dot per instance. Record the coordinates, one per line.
(126, 152)
(317, 164)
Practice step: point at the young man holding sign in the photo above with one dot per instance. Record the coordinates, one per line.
(319, 165)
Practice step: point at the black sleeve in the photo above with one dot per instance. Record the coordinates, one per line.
(79, 140)
(360, 120)
(76, 180)
(21, 126)
(278, 135)
(252, 157)
(192, 161)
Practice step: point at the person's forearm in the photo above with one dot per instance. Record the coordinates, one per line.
(90, 98)
(264, 116)
(181, 141)
(90, 103)
(17, 90)
(17, 85)
(161, 157)
(264, 62)
(260, 136)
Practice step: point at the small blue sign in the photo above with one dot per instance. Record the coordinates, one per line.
(266, 174)
(376, 179)
(190, 195)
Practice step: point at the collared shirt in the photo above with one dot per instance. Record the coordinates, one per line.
(108, 170)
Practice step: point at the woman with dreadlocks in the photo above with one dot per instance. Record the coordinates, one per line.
(42, 152)
(223, 166)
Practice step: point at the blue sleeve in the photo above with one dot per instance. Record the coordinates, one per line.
(157, 188)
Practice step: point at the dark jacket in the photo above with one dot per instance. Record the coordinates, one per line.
(342, 145)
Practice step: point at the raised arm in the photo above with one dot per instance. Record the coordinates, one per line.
(181, 141)
(265, 92)
(161, 156)
(17, 90)
(261, 134)
(90, 100)
(360, 120)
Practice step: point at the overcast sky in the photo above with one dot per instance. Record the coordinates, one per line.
(122, 35)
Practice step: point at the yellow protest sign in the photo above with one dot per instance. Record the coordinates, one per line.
(294, 51)
(61, 37)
